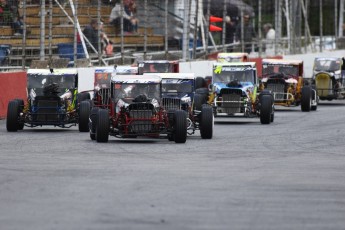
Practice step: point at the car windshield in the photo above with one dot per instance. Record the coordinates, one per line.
(291, 70)
(38, 81)
(130, 91)
(180, 86)
(240, 75)
(326, 65)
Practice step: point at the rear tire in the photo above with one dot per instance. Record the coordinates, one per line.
(102, 126)
(180, 126)
(12, 122)
(199, 100)
(266, 109)
(306, 99)
(83, 96)
(84, 114)
(206, 122)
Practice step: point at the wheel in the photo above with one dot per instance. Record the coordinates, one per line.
(266, 109)
(180, 126)
(200, 82)
(206, 122)
(306, 99)
(20, 110)
(12, 122)
(84, 113)
(92, 125)
(102, 125)
(199, 100)
(272, 115)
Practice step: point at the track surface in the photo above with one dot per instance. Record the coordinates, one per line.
(287, 175)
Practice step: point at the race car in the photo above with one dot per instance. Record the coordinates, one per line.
(234, 92)
(178, 92)
(329, 77)
(52, 100)
(133, 109)
(284, 78)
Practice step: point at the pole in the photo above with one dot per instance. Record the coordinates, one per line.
(145, 30)
(341, 18)
(24, 37)
(185, 37)
(50, 28)
(42, 28)
(166, 46)
(224, 25)
(207, 25)
(75, 44)
(196, 22)
(321, 24)
(259, 26)
(99, 48)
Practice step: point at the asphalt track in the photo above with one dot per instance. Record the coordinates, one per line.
(286, 175)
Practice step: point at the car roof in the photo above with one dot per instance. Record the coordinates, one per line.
(136, 79)
(55, 71)
(126, 69)
(221, 55)
(157, 61)
(236, 64)
(175, 75)
(105, 69)
(328, 58)
(282, 61)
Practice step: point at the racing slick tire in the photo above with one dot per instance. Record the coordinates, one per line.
(84, 113)
(12, 122)
(200, 82)
(206, 122)
(306, 99)
(199, 100)
(266, 109)
(92, 125)
(21, 108)
(102, 125)
(180, 126)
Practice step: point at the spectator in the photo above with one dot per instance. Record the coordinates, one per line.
(6, 16)
(18, 26)
(91, 33)
(106, 43)
(248, 33)
(230, 29)
(130, 22)
(270, 37)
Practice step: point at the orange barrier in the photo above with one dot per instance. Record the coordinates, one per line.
(12, 85)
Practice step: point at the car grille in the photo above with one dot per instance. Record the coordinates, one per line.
(141, 121)
(171, 103)
(47, 111)
(231, 103)
(278, 90)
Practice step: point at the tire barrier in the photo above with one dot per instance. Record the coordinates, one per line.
(12, 85)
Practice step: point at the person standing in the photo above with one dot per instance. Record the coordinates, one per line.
(248, 33)
(91, 33)
(230, 29)
(130, 22)
(270, 38)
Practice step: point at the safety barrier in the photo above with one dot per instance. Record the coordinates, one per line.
(12, 85)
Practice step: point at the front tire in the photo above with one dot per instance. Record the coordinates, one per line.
(180, 126)
(266, 109)
(93, 120)
(306, 99)
(12, 122)
(84, 113)
(102, 126)
(206, 122)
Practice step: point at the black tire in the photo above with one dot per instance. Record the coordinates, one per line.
(180, 126)
(12, 122)
(306, 99)
(20, 110)
(92, 125)
(102, 126)
(82, 97)
(199, 100)
(266, 109)
(206, 122)
(84, 114)
(200, 82)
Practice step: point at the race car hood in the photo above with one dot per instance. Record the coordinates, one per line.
(244, 86)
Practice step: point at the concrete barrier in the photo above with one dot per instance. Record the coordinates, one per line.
(12, 85)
